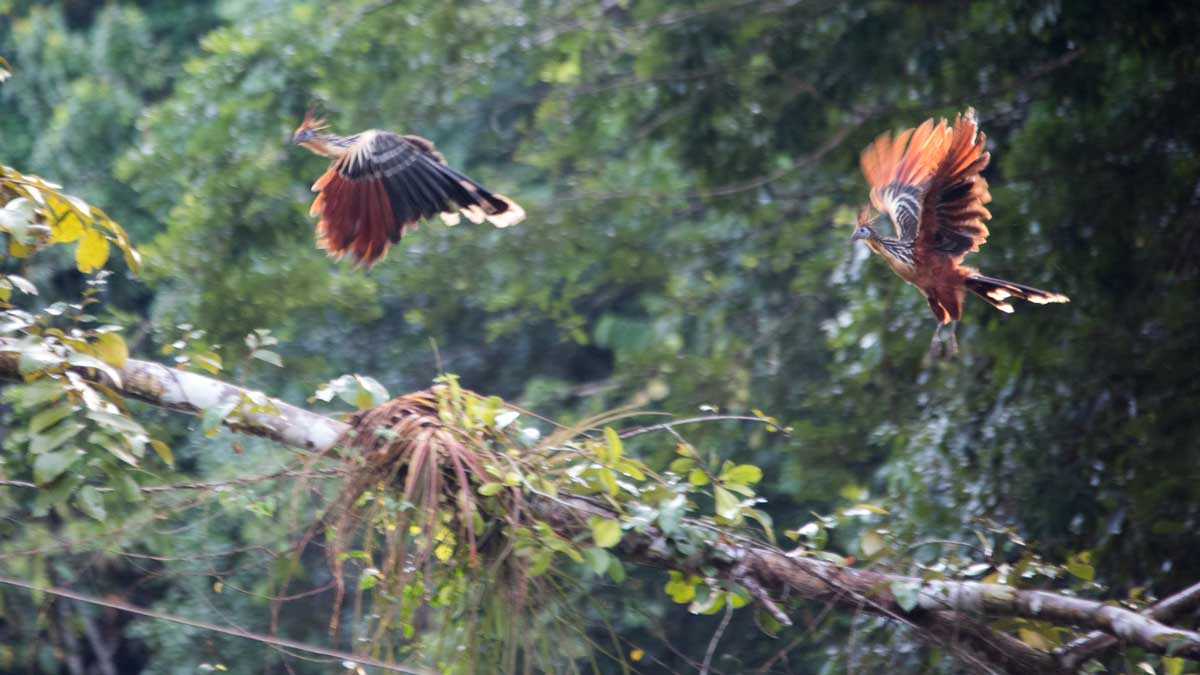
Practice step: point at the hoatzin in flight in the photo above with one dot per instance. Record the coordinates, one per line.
(380, 185)
(926, 182)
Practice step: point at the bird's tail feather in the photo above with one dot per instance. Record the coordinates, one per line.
(998, 291)
(476, 202)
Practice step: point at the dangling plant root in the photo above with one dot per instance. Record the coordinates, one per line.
(408, 508)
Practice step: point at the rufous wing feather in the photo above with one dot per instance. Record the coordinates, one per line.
(385, 184)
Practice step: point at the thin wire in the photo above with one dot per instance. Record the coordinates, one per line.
(202, 625)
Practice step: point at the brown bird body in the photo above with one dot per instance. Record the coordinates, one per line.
(380, 185)
(926, 183)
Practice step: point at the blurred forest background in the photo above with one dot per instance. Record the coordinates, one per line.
(690, 172)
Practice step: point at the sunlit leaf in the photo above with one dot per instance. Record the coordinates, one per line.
(742, 474)
(606, 532)
(727, 503)
(267, 356)
(1081, 570)
(871, 543)
(111, 349)
(92, 251)
(613, 441)
(1036, 640)
(163, 451)
(88, 361)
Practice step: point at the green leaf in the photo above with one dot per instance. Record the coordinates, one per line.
(764, 519)
(864, 509)
(631, 468)
(681, 589)
(211, 420)
(163, 451)
(80, 360)
(113, 446)
(51, 465)
(1172, 665)
(727, 503)
(872, 542)
(681, 464)
(489, 489)
(1038, 641)
(539, 562)
(111, 349)
(907, 594)
(616, 570)
(370, 393)
(597, 560)
(369, 578)
(36, 358)
(49, 417)
(1081, 570)
(606, 532)
(267, 356)
(57, 436)
(742, 474)
(22, 284)
(115, 422)
(615, 449)
(697, 477)
(89, 500)
(210, 361)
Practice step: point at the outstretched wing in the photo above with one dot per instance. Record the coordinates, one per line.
(927, 180)
(385, 184)
(952, 212)
(899, 169)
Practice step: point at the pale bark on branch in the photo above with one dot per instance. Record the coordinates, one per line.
(949, 613)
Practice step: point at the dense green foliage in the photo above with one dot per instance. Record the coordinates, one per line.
(690, 171)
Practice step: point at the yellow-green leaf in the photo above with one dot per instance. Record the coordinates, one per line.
(92, 252)
(1035, 639)
(727, 503)
(606, 532)
(489, 489)
(615, 449)
(163, 451)
(742, 474)
(1081, 570)
(872, 543)
(111, 349)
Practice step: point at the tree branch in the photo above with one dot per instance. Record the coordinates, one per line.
(942, 611)
(1076, 653)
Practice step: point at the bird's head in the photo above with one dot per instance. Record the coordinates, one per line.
(308, 129)
(863, 229)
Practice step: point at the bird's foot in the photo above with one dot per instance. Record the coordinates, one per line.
(937, 350)
(952, 343)
(944, 348)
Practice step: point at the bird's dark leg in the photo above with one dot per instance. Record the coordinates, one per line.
(953, 339)
(935, 345)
